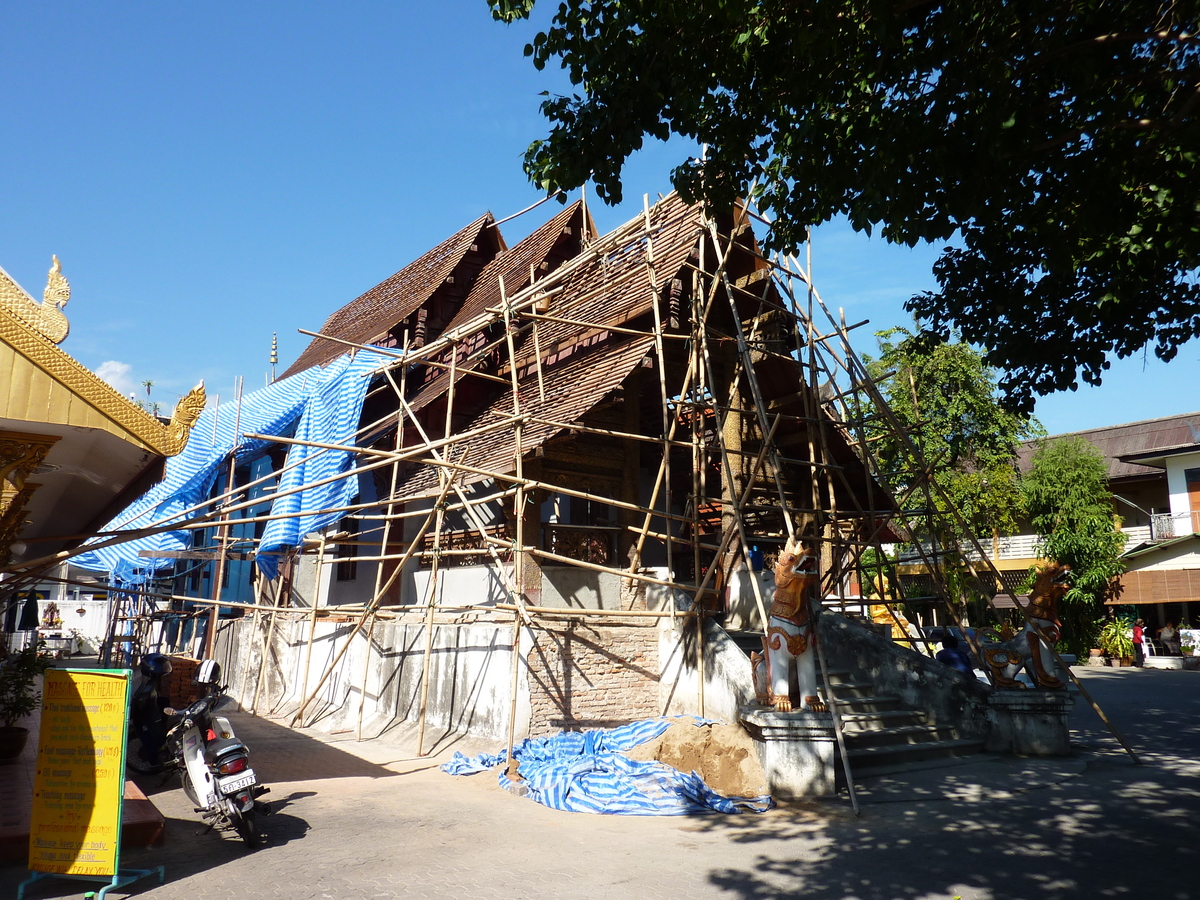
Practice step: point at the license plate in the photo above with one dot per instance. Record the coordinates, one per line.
(230, 785)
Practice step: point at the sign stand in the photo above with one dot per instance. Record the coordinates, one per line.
(79, 780)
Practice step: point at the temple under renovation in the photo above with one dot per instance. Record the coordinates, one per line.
(514, 490)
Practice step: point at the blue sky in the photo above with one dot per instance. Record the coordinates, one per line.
(211, 173)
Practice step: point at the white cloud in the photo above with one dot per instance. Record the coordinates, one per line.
(117, 375)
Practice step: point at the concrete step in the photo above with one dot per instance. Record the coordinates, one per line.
(902, 734)
(869, 760)
(857, 722)
(838, 677)
(872, 703)
(847, 690)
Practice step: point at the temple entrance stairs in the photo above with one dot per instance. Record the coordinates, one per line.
(884, 736)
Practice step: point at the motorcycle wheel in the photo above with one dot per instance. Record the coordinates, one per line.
(247, 828)
(188, 787)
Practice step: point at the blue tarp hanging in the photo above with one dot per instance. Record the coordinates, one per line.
(588, 772)
(321, 405)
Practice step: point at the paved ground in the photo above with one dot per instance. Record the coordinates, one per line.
(372, 821)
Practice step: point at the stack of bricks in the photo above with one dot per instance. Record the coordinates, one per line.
(181, 685)
(592, 675)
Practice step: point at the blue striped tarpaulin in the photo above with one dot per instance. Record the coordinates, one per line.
(321, 405)
(588, 772)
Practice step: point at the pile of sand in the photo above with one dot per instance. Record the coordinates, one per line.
(722, 755)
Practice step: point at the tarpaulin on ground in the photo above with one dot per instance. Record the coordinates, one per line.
(321, 405)
(588, 772)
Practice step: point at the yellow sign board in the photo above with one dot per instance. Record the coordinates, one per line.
(79, 779)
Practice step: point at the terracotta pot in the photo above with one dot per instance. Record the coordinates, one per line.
(12, 742)
(1095, 651)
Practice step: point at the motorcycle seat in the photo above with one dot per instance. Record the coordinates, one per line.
(223, 747)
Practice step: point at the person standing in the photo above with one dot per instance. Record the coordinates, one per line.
(1139, 638)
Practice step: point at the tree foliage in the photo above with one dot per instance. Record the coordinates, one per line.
(1071, 507)
(946, 396)
(1056, 143)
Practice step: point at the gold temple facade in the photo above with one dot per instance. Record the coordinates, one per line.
(73, 451)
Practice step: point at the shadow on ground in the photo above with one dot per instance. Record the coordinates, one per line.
(1116, 830)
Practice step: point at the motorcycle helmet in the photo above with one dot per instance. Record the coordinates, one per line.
(209, 673)
(154, 664)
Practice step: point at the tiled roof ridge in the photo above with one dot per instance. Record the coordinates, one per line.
(434, 264)
(1178, 417)
(537, 244)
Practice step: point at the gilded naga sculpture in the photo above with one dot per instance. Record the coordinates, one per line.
(47, 317)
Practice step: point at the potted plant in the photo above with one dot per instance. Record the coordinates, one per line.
(17, 696)
(1187, 644)
(1116, 641)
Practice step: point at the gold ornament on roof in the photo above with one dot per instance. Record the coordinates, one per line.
(54, 324)
(187, 411)
(47, 317)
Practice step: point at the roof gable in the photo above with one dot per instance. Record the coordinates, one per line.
(371, 314)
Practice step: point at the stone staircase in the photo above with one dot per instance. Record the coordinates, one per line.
(882, 736)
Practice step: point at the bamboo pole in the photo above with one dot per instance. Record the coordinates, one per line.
(366, 670)
(520, 558)
(668, 421)
(435, 570)
(263, 651)
(312, 622)
(298, 717)
(430, 606)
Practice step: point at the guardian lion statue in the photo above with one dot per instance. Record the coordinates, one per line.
(1027, 650)
(791, 635)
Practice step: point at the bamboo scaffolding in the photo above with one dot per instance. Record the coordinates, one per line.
(439, 521)
(845, 530)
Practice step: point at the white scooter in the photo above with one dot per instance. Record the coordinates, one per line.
(214, 765)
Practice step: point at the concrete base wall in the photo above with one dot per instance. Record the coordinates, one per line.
(728, 681)
(1029, 723)
(469, 685)
(797, 750)
(742, 603)
(573, 673)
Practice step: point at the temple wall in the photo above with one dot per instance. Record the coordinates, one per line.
(586, 674)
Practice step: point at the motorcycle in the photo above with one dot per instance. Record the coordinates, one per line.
(214, 764)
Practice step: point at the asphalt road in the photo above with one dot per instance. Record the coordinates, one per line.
(371, 820)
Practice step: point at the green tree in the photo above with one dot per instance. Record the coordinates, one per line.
(1071, 507)
(946, 396)
(1057, 145)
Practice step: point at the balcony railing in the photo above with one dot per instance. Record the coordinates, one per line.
(590, 543)
(1164, 526)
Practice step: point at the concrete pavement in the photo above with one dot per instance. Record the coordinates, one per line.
(371, 820)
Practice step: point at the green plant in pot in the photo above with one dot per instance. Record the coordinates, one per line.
(18, 699)
(1114, 638)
